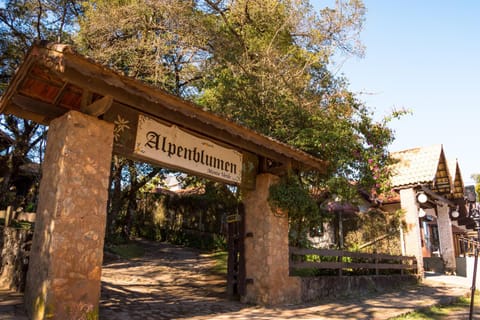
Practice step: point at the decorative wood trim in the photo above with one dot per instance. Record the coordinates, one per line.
(99, 107)
(74, 69)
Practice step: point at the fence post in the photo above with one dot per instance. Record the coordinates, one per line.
(340, 258)
(8, 216)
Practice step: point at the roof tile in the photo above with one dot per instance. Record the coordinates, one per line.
(416, 166)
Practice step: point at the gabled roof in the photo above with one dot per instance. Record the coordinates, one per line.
(54, 79)
(421, 166)
(457, 180)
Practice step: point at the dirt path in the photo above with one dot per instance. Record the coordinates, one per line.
(171, 282)
(167, 282)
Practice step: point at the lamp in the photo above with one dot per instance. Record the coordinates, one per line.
(455, 213)
(422, 197)
(421, 213)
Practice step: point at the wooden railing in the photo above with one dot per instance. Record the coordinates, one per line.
(341, 262)
(466, 246)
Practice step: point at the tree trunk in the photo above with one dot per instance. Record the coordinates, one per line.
(15, 256)
(115, 199)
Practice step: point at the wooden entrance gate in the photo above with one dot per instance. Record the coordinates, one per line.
(94, 112)
(236, 253)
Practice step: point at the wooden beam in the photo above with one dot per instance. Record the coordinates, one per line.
(281, 170)
(86, 99)
(181, 113)
(47, 110)
(60, 93)
(99, 107)
(62, 62)
(18, 77)
(438, 197)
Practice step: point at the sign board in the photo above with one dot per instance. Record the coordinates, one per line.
(234, 218)
(146, 138)
(172, 146)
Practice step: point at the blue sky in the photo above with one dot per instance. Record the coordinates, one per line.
(423, 56)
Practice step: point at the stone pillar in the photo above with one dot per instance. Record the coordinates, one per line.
(266, 250)
(63, 280)
(412, 236)
(445, 234)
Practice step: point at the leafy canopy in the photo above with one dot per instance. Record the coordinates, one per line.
(262, 63)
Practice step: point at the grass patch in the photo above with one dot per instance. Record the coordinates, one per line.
(127, 250)
(220, 266)
(442, 311)
(18, 224)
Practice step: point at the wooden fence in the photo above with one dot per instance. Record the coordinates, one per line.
(465, 246)
(338, 262)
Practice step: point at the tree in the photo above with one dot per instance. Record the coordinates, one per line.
(476, 178)
(158, 42)
(261, 63)
(22, 23)
(155, 42)
(269, 70)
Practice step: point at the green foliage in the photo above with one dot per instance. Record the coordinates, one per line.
(158, 42)
(23, 22)
(293, 197)
(268, 78)
(375, 231)
(476, 178)
(19, 224)
(127, 250)
(221, 262)
(195, 239)
(262, 63)
(22, 225)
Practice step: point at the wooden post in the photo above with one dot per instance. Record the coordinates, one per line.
(8, 216)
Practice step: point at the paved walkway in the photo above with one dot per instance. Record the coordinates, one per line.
(170, 282)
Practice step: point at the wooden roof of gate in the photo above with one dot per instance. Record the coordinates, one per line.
(53, 80)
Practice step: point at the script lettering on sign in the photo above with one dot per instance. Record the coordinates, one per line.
(178, 148)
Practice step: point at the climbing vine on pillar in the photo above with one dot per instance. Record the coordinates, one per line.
(292, 197)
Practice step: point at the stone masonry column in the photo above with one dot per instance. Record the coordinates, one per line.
(63, 280)
(445, 235)
(412, 236)
(266, 250)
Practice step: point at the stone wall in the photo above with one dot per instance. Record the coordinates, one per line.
(314, 288)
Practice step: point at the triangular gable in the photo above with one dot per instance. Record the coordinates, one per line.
(421, 166)
(457, 180)
(442, 183)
